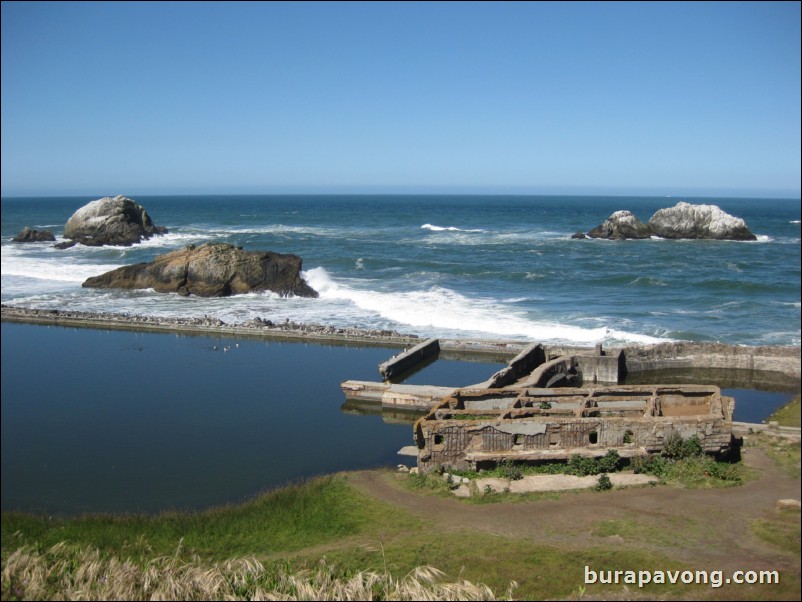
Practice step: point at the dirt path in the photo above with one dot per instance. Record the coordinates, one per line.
(710, 526)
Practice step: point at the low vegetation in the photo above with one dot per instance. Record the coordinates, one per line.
(291, 518)
(785, 452)
(73, 573)
(781, 530)
(788, 415)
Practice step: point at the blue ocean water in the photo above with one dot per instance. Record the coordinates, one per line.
(448, 266)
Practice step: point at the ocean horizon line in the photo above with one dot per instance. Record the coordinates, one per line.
(678, 197)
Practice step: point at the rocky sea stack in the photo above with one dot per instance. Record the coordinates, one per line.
(684, 220)
(211, 270)
(28, 235)
(621, 225)
(110, 221)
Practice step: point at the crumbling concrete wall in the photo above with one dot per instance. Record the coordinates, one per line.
(520, 366)
(607, 367)
(785, 360)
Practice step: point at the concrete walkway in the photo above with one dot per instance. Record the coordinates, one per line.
(548, 482)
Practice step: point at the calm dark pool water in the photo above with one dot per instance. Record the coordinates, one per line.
(104, 420)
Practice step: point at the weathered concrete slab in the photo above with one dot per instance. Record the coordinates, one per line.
(520, 366)
(409, 358)
(544, 483)
(742, 429)
(364, 390)
(417, 397)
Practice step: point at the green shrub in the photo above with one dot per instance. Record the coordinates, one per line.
(511, 471)
(652, 464)
(611, 461)
(581, 466)
(672, 445)
(604, 483)
(695, 470)
(723, 471)
(692, 447)
(677, 448)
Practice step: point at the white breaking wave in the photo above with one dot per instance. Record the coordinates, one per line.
(440, 308)
(171, 240)
(434, 228)
(278, 229)
(45, 268)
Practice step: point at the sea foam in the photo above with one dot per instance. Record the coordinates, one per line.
(441, 309)
(434, 228)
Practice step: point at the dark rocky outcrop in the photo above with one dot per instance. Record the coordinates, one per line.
(698, 221)
(211, 270)
(110, 221)
(579, 235)
(28, 235)
(621, 225)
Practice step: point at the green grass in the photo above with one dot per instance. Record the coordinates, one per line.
(665, 533)
(785, 452)
(781, 530)
(291, 518)
(788, 415)
(432, 483)
(540, 571)
(703, 472)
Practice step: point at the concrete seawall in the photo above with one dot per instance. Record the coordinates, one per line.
(783, 360)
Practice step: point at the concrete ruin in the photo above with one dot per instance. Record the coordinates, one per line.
(551, 403)
(474, 429)
(406, 361)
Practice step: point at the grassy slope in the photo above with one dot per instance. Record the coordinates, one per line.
(327, 518)
(788, 415)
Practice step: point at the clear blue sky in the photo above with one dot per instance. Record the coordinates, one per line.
(607, 98)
